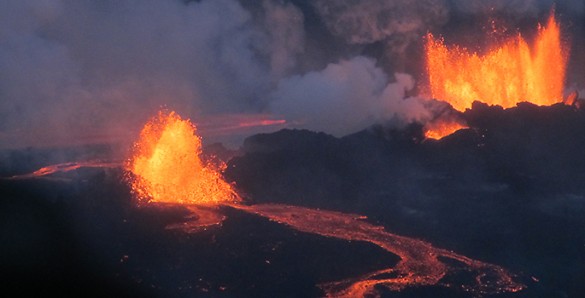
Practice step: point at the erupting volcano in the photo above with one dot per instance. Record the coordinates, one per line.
(505, 75)
(324, 148)
(167, 168)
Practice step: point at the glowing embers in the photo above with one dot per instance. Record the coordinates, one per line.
(506, 75)
(166, 165)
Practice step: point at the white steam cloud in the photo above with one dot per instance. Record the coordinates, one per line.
(346, 97)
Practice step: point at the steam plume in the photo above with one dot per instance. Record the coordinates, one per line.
(346, 97)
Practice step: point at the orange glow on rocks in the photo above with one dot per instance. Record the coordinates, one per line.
(441, 128)
(509, 73)
(166, 166)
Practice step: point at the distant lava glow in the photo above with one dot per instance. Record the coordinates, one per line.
(48, 171)
(166, 166)
(509, 73)
(441, 128)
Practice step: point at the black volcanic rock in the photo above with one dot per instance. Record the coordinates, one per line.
(500, 190)
(527, 149)
(288, 140)
(299, 165)
(87, 237)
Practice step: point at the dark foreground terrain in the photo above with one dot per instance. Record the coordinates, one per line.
(508, 191)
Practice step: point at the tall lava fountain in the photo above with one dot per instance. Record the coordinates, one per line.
(507, 74)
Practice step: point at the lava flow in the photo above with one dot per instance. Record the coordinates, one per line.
(167, 168)
(509, 73)
(65, 167)
(420, 263)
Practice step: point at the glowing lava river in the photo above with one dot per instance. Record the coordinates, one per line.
(420, 263)
(166, 169)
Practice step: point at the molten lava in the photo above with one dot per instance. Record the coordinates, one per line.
(166, 165)
(230, 124)
(441, 128)
(509, 73)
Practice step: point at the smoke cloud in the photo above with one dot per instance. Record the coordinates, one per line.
(371, 21)
(71, 65)
(285, 29)
(69, 68)
(520, 8)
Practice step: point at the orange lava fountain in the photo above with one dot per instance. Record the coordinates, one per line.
(508, 74)
(167, 168)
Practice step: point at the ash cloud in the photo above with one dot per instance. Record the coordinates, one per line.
(70, 68)
(371, 21)
(285, 29)
(69, 65)
(520, 8)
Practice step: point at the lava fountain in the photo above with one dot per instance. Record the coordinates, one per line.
(166, 165)
(166, 168)
(507, 74)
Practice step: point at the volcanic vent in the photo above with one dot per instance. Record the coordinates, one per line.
(505, 74)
